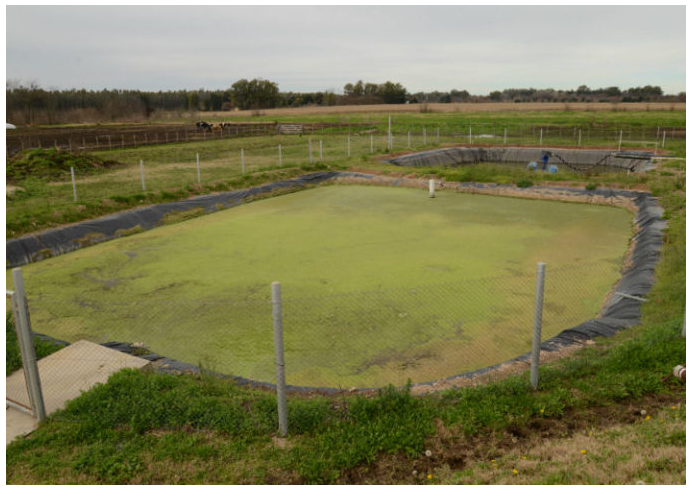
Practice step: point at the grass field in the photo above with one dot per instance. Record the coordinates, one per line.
(606, 414)
(380, 284)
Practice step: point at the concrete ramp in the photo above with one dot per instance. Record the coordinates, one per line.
(64, 376)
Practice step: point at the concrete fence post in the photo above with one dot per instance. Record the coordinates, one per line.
(280, 155)
(409, 139)
(664, 138)
(310, 151)
(279, 356)
(505, 136)
(26, 345)
(470, 134)
(320, 149)
(536, 339)
(431, 188)
(197, 159)
(144, 186)
(424, 135)
(242, 162)
(74, 185)
(620, 140)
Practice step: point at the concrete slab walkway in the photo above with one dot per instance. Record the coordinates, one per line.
(64, 376)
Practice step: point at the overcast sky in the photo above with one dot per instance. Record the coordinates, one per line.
(311, 48)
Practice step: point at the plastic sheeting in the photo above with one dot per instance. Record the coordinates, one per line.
(619, 312)
(577, 159)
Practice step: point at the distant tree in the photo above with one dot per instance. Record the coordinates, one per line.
(254, 94)
(495, 96)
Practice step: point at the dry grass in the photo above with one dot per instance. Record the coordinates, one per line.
(650, 451)
(455, 108)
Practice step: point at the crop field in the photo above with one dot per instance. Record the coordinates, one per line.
(380, 284)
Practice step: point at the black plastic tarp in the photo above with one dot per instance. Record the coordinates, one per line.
(620, 312)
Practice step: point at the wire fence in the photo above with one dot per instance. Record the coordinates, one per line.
(346, 340)
(167, 172)
(93, 140)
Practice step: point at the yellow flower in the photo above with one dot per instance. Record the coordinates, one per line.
(515, 472)
(647, 418)
(541, 411)
(429, 476)
(583, 451)
(524, 457)
(673, 407)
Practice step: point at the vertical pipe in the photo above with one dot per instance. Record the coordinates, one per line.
(21, 312)
(279, 356)
(536, 339)
(431, 188)
(144, 187)
(197, 158)
(74, 185)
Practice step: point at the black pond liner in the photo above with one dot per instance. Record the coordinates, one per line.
(619, 312)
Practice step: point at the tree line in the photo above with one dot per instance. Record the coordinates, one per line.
(31, 104)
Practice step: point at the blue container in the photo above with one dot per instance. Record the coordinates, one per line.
(553, 169)
(532, 166)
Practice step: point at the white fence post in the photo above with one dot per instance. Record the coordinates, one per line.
(74, 185)
(26, 345)
(242, 162)
(470, 134)
(505, 136)
(320, 149)
(431, 188)
(536, 339)
(664, 138)
(279, 357)
(280, 155)
(197, 158)
(580, 137)
(144, 187)
(389, 132)
(620, 140)
(409, 139)
(310, 151)
(348, 145)
(371, 143)
(424, 135)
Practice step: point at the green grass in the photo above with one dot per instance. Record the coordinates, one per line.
(165, 429)
(381, 285)
(13, 356)
(171, 170)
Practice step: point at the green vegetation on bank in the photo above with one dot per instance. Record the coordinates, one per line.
(161, 428)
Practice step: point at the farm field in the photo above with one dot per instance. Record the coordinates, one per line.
(608, 413)
(381, 285)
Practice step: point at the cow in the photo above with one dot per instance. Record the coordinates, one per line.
(203, 125)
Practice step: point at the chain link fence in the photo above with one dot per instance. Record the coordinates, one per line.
(347, 340)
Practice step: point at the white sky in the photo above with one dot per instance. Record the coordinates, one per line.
(316, 48)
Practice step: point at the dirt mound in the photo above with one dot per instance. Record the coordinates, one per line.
(54, 164)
